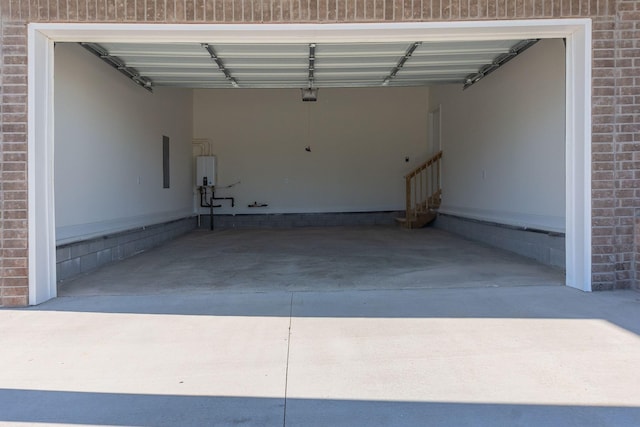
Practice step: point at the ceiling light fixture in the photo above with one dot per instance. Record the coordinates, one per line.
(400, 63)
(119, 64)
(498, 62)
(220, 64)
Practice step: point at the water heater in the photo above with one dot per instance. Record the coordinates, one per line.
(205, 170)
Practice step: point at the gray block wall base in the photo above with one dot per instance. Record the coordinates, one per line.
(80, 257)
(222, 222)
(545, 247)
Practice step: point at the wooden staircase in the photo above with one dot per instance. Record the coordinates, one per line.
(423, 194)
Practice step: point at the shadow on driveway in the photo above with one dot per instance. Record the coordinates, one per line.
(102, 409)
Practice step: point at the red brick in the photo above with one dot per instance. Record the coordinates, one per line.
(388, 11)
(276, 10)
(21, 214)
(115, 8)
(455, 9)
(601, 268)
(602, 259)
(208, 14)
(14, 225)
(17, 291)
(599, 249)
(14, 301)
(14, 253)
(235, 13)
(218, 10)
(602, 222)
(15, 167)
(375, 11)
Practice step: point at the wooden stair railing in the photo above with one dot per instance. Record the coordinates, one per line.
(423, 193)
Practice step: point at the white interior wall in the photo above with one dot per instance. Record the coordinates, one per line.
(108, 149)
(359, 139)
(503, 141)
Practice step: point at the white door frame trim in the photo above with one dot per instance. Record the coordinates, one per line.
(577, 32)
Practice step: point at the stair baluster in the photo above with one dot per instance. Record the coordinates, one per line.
(423, 193)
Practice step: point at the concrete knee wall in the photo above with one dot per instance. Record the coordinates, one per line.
(545, 247)
(290, 220)
(83, 256)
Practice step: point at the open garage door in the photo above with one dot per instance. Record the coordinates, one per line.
(218, 116)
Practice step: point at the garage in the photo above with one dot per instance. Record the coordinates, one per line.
(339, 158)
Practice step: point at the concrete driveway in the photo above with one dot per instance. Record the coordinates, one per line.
(492, 356)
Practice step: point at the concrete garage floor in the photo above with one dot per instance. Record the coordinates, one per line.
(182, 341)
(313, 259)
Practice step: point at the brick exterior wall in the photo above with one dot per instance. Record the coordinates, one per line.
(615, 98)
(616, 142)
(13, 164)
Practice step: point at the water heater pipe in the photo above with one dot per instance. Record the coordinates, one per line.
(209, 204)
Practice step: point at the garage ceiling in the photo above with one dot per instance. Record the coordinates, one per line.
(211, 65)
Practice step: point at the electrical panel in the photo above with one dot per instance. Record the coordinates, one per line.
(205, 171)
